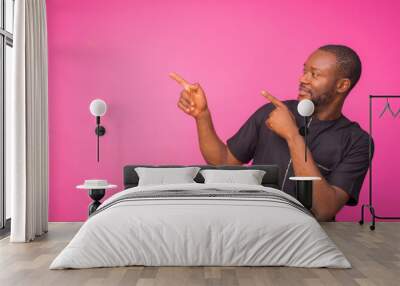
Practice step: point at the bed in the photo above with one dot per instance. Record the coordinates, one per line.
(201, 224)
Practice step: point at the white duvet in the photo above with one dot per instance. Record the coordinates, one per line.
(200, 231)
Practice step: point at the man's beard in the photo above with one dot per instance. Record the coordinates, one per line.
(322, 100)
(319, 100)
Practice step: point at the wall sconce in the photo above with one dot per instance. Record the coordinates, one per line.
(98, 108)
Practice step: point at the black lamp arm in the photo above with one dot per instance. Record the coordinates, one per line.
(100, 131)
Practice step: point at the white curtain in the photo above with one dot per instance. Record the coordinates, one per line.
(27, 124)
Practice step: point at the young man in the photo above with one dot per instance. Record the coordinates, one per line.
(338, 149)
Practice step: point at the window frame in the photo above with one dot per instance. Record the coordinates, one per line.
(6, 39)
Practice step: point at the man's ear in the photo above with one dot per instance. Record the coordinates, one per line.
(343, 85)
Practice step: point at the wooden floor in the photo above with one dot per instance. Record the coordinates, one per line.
(375, 256)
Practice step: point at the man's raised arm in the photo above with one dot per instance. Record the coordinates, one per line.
(327, 199)
(193, 102)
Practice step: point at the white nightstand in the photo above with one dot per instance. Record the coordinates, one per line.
(96, 192)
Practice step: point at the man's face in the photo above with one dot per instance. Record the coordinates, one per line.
(319, 78)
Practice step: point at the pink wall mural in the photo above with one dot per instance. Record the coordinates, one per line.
(122, 51)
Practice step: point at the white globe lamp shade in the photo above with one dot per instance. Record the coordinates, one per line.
(98, 107)
(305, 107)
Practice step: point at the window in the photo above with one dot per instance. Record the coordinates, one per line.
(6, 60)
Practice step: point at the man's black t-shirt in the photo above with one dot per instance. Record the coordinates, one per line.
(339, 147)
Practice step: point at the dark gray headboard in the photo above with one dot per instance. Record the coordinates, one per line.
(270, 179)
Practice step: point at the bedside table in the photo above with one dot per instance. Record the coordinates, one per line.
(96, 193)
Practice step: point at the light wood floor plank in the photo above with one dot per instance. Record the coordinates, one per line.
(374, 255)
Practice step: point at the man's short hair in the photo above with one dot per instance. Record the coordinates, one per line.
(348, 61)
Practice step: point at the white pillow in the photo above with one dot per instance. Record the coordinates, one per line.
(248, 177)
(162, 176)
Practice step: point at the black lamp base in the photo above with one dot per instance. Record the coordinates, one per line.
(96, 195)
(303, 130)
(304, 192)
(100, 130)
